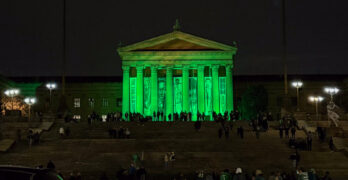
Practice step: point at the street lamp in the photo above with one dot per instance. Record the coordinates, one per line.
(316, 100)
(12, 93)
(297, 85)
(51, 86)
(332, 91)
(30, 101)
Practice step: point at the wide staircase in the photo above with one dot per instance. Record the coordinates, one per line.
(90, 151)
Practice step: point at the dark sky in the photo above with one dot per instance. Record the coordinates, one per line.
(31, 33)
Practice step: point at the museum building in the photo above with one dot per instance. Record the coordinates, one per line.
(177, 72)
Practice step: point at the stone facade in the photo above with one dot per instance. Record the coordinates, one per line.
(183, 59)
(107, 92)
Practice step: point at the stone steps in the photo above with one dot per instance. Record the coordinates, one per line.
(87, 151)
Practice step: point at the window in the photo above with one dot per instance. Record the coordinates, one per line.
(105, 102)
(91, 102)
(77, 117)
(77, 102)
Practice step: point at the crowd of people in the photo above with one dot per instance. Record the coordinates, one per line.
(239, 174)
(120, 133)
(287, 129)
(136, 171)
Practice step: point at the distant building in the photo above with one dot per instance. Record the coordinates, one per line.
(104, 94)
(177, 72)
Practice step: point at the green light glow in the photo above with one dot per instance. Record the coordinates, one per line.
(169, 93)
(208, 95)
(133, 94)
(140, 90)
(147, 96)
(193, 97)
(172, 87)
(162, 95)
(178, 95)
(222, 92)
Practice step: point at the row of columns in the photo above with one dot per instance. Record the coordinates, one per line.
(169, 89)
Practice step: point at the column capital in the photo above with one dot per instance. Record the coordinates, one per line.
(200, 67)
(230, 66)
(169, 68)
(125, 68)
(139, 67)
(154, 67)
(185, 67)
(215, 66)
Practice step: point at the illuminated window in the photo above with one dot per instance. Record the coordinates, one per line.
(77, 102)
(105, 102)
(77, 117)
(91, 102)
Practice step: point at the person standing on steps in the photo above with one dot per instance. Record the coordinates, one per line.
(293, 132)
(281, 132)
(331, 144)
(286, 132)
(166, 159)
(227, 133)
(50, 165)
(257, 132)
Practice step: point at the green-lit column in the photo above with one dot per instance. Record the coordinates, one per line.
(229, 88)
(200, 85)
(169, 93)
(140, 89)
(125, 91)
(154, 82)
(185, 89)
(215, 75)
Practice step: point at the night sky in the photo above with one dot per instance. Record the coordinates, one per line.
(31, 33)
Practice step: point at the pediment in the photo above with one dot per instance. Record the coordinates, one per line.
(176, 45)
(177, 41)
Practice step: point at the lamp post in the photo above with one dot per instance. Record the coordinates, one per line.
(297, 85)
(316, 100)
(30, 101)
(332, 91)
(50, 87)
(12, 93)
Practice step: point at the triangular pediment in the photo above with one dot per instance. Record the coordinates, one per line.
(177, 41)
(176, 45)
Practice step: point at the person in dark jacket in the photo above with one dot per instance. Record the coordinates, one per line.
(50, 165)
(293, 132)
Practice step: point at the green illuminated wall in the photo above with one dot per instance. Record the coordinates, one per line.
(178, 72)
(193, 97)
(147, 96)
(162, 95)
(178, 95)
(133, 94)
(222, 92)
(208, 96)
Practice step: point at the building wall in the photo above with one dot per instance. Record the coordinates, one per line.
(107, 98)
(312, 85)
(111, 91)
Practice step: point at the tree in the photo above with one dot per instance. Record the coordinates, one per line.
(253, 100)
(15, 103)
